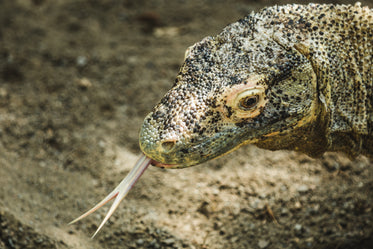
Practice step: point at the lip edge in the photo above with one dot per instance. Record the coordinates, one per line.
(182, 165)
(163, 165)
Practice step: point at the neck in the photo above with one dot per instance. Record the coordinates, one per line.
(344, 70)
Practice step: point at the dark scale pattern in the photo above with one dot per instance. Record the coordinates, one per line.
(310, 68)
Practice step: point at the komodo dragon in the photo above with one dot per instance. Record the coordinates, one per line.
(295, 77)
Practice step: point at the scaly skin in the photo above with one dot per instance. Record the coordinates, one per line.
(295, 77)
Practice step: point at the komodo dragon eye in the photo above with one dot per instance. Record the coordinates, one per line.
(248, 103)
(248, 100)
(245, 102)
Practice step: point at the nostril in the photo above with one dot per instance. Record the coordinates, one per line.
(168, 145)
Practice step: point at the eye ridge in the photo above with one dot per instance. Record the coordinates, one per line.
(249, 102)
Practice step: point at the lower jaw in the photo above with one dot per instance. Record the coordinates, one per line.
(163, 165)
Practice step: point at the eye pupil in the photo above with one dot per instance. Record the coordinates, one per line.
(249, 102)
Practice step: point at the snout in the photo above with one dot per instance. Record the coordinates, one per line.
(162, 150)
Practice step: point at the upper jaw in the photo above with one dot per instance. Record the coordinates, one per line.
(184, 153)
(177, 160)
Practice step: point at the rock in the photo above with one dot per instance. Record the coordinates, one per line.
(284, 211)
(263, 243)
(3, 93)
(258, 204)
(140, 242)
(297, 205)
(234, 239)
(302, 189)
(298, 227)
(169, 241)
(81, 61)
(84, 83)
(166, 32)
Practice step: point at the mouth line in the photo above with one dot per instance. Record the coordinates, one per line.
(163, 165)
(196, 147)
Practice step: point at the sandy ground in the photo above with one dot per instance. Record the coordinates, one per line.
(77, 77)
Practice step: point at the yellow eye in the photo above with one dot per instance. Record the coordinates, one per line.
(249, 102)
(245, 101)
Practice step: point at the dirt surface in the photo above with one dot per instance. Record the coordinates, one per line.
(77, 77)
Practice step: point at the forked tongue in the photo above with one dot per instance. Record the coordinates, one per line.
(120, 191)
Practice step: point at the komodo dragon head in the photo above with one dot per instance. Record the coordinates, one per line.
(241, 87)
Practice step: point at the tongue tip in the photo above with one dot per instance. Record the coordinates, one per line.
(120, 192)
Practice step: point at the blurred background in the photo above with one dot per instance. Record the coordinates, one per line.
(77, 77)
